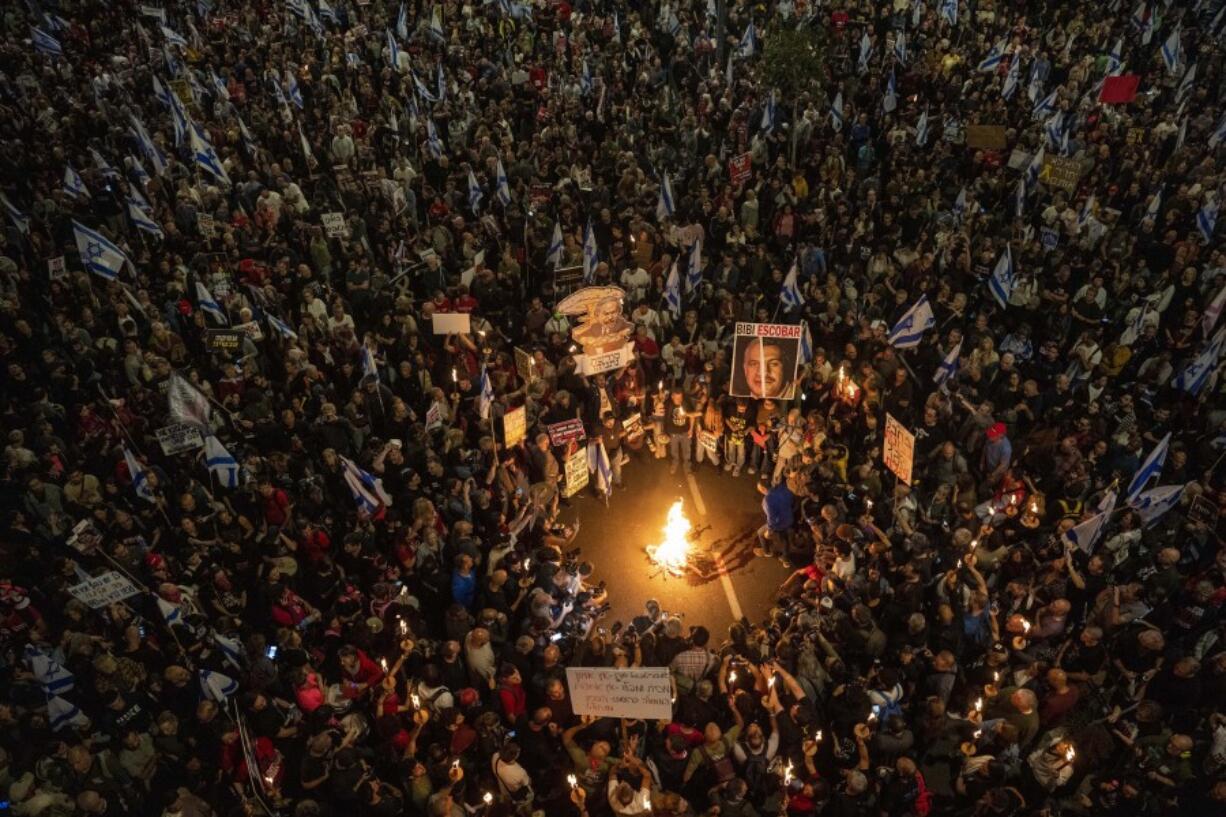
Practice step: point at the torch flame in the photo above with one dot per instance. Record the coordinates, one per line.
(787, 774)
(1069, 754)
(572, 780)
(671, 553)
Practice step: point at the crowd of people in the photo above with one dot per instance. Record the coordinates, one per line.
(266, 551)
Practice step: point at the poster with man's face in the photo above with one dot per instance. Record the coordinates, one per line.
(765, 357)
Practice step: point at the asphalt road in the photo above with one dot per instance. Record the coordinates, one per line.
(726, 510)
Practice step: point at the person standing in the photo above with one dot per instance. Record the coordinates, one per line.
(679, 425)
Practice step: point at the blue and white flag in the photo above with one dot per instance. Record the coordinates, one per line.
(1035, 168)
(74, 185)
(1003, 278)
(672, 291)
(1193, 377)
(298, 8)
(423, 90)
(591, 256)
(1087, 210)
(1137, 325)
(440, 83)
(890, 101)
(1186, 84)
(1115, 58)
(248, 139)
(502, 189)
(836, 112)
(219, 85)
(148, 148)
(231, 649)
(1012, 78)
(806, 344)
(474, 193)
(693, 276)
(20, 220)
(485, 398)
(1045, 106)
(103, 166)
(917, 13)
(49, 672)
(210, 306)
(664, 202)
(949, 366)
(960, 205)
(554, 256)
(910, 329)
(994, 58)
(921, 129)
(769, 113)
(1085, 534)
(749, 42)
(900, 47)
(281, 327)
(1019, 206)
(1219, 133)
(61, 713)
(217, 687)
(220, 462)
(292, 89)
(142, 220)
(140, 480)
(160, 94)
(1054, 129)
(1213, 311)
(1206, 220)
(393, 52)
(367, 491)
(432, 140)
(99, 254)
(173, 37)
(790, 295)
(44, 43)
(402, 23)
(1152, 504)
(436, 25)
(326, 12)
(1155, 205)
(369, 367)
(1150, 468)
(866, 53)
(205, 156)
(1172, 52)
(598, 464)
(949, 10)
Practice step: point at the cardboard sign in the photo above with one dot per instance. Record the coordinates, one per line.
(898, 453)
(100, 591)
(766, 360)
(334, 225)
(708, 441)
(434, 417)
(740, 168)
(526, 366)
(1061, 172)
(514, 427)
(645, 693)
(1203, 510)
(1135, 136)
(223, 340)
(452, 323)
(1019, 159)
(206, 225)
(564, 432)
(156, 13)
(633, 426)
(56, 269)
(606, 362)
(251, 329)
(988, 137)
(568, 276)
(576, 472)
(179, 437)
(85, 537)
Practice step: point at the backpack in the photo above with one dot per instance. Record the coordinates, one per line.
(754, 774)
(722, 766)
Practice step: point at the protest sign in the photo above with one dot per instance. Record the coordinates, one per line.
(987, 137)
(1060, 172)
(179, 437)
(708, 441)
(251, 329)
(334, 224)
(1050, 238)
(514, 427)
(605, 362)
(526, 366)
(899, 449)
(100, 591)
(434, 417)
(766, 358)
(740, 168)
(223, 340)
(568, 276)
(644, 693)
(633, 426)
(452, 323)
(206, 225)
(562, 433)
(56, 269)
(576, 472)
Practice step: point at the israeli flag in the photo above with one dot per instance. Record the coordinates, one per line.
(248, 139)
(282, 328)
(1137, 325)
(440, 82)
(209, 305)
(806, 344)
(1012, 78)
(554, 257)
(960, 205)
(502, 190)
(147, 146)
(1213, 311)
(1019, 206)
(367, 491)
(44, 43)
(949, 10)
(74, 185)
(486, 397)
(921, 129)
(295, 93)
(474, 193)
(1171, 52)
(173, 37)
(220, 462)
(949, 366)
(866, 53)
(1054, 128)
(20, 220)
(432, 140)
(768, 114)
(436, 25)
(1152, 504)
(326, 12)
(1155, 205)
(48, 671)
(103, 166)
(1085, 534)
(890, 101)
(590, 254)
(160, 94)
(1186, 84)
(393, 51)
(140, 480)
(1045, 106)
(61, 713)
(749, 41)
(672, 291)
(1115, 58)
(217, 687)
(910, 329)
(1150, 468)
(1002, 280)
(402, 23)
(1087, 209)
(790, 295)
(1219, 133)
(1196, 374)
(314, 22)
(231, 649)
(296, 8)
(1141, 18)
(693, 276)
(994, 58)
(1206, 220)
(98, 254)
(836, 112)
(423, 91)
(900, 47)
(1035, 167)
(142, 221)
(664, 203)
(205, 156)
(598, 463)
(369, 367)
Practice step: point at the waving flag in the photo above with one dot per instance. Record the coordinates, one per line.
(1219, 133)
(326, 12)
(142, 221)
(1213, 311)
(103, 166)
(1152, 504)
(217, 687)
(474, 193)
(1012, 78)
(281, 327)
(1002, 281)
(554, 257)
(186, 404)
(910, 329)
(74, 185)
(402, 23)
(949, 366)
(231, 649)
(44, 43)
(900, 47)
(1206, 220)
(1137, 325)
(1155, 205)
(436, 25)
(502, 190)
(749, 41)
(806, 344)
(48, 672)
(220, 462)
(485, 398)
(949, 10)
(1150, 468)
(61, 713)
(694, 274)
(866, 53)
(890, 101)
(1186, 84)
(20, 220)
(367, 491)
(1085, 534)
(994, 58)
(432, 140)
(598, 463)
(441, 83)
(664, 203)
(836, 113)
(173, 37)
(1171, 52)
(672, 291)
(1035, 168)
(147, 146)
(140, 480)
(294, 92)
(98, 254)
(205, 156)
(1115, 58)
(1045, 106)
(393, 52)
(1196, 374)
(769, 114)
(921, 129)
(591, 255)
(210, 306)
(790, 295)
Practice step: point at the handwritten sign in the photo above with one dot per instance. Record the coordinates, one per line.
(434, 417)
(526, 366)
(566, 431)
(645, 693)
(576, 472)
(104, 590)
(334, 225)
(223, 340)
(1060, 172)
(740, 168)
(514, 427)
(179, 437)
(709, 441)
(56, 269)
(989, 137)
(899, 449)
(452, 323)
(206, 225)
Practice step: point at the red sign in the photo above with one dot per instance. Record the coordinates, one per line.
(1121, 89)
(562, 433)
(540, 195)
(740, 168)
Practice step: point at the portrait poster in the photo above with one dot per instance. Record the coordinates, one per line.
(765, 360)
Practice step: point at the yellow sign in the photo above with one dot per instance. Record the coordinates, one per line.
(514, 427)
(1060, 172)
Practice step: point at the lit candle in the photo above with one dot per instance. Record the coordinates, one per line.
(974, 544)
(488, 798)
(383, 663)
(416, 701)
(404, 627)
(454, 378)
(455, 764)
(771, 683)
(527, 564)
(732, 677)
(787, 774)
(1025, 627)
(979, 704)
(978, 734)
(573, 781)
(868, 504)
(1034, 507)
(818, 736)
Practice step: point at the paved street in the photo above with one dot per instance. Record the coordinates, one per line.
(614, 538)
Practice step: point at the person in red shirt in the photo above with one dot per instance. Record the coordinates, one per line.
(315, 542)
(512, 697)
(358, 672)
(276, 505)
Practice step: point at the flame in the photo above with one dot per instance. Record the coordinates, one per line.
(787, 774)
(671, 553)
(488, 798)
(1069, 754)
(572, 780)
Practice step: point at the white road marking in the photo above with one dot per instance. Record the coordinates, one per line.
(734, 604)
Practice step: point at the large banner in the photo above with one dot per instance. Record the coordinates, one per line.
(899, 449)
(765, 360)
(603, 332)
(644, 693)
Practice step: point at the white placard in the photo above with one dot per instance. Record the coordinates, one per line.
(179, 437)
(334, 224)
(56, 269)
(102, 590)
(645, 693)
(605, 362)
(452, 323)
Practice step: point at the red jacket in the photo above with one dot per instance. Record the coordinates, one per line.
(514, 701)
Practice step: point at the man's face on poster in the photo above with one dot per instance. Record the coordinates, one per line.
(763, 368)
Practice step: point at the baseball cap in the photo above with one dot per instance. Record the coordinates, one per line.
(996, 431)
